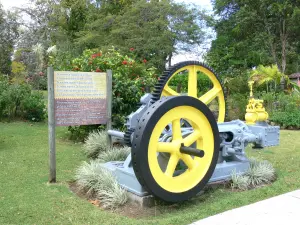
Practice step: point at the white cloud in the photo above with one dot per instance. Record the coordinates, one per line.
(7, 4)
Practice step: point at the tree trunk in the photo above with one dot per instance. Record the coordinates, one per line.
(170, 60)
(283, 38)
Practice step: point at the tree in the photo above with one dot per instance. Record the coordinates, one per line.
(267, 75)
(155, 29)
(8, 36)
(253, 32)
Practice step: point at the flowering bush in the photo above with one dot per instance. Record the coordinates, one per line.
(130, 77)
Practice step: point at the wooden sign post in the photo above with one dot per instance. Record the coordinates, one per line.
(77, 98)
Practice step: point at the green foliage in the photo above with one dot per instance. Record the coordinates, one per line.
(34, 107)
(96, 180)
(18, 101)
(79, 133)
(239, 181)
(95, 144)
(8, 36)
(18, 71)
(180, 81)
(284, 109)
(287, 119)
(114, 154)
(250, 33)
(267, 75)
(155, 29)
(259, 173)
(237, 106)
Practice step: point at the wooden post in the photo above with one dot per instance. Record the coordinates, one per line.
(108, 106)
(51, 126)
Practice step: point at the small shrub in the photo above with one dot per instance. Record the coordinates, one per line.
(109, 191)
(80, 133)
(114, 154)
(88, 175)
(259, 173)
(286, 119)
(95, 144)
(96, 180)
(34, 107)
(237, 106)
(239, 181)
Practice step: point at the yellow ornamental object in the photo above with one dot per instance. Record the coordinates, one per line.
(255, 111)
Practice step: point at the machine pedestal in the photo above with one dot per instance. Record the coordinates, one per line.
(127, 179)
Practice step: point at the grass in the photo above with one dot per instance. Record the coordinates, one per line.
(26, 198)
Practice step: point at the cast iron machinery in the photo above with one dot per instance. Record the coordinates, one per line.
(178, 144)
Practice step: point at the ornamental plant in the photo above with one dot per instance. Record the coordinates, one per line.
(130, 77)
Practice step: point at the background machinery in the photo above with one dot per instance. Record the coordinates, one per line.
(179, 140)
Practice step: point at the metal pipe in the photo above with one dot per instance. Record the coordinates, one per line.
(115, 133)
(192, 151)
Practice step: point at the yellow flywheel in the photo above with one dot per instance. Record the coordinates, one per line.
(195, 85)
(192, 151)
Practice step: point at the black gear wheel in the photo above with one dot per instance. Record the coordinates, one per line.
(140, 143)
(164, 78)
(127, 136)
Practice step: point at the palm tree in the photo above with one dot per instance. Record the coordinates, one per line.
(267, 75)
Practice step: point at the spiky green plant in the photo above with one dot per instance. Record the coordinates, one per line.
(259, 173)
(239, 181)
(114, 154)
(98, 181)
(95, 143)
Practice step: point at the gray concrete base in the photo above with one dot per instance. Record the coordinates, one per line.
(142, 201)
(148, 200)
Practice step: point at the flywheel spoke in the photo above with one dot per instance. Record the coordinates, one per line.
(189, 140)
(192, 83)
(172, 165)
(166, 147)
(176, 129)
(188, 160)
(167, 91)
(210, 95)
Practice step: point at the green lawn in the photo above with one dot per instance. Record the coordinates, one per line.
(26, 198)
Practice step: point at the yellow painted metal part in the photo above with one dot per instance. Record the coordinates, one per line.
(255, 111)
(215, 93)
(202, 137)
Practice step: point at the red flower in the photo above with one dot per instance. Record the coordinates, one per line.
(124, 62)
(96, 55)
(98, 70)
(41, 74)
(144, 61)
(131, 49)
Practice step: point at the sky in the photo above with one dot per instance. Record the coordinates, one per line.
(16, 3)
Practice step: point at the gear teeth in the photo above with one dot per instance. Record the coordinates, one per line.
(167, 74)
(127, 137)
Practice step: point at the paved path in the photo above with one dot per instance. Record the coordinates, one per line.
(280, 210)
